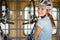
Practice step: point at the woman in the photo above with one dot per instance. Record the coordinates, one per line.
(43, 29)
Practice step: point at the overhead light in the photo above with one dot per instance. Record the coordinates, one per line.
(11, 12)
(20, 12)
(29, 0)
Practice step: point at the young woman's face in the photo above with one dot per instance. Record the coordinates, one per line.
(41, 11)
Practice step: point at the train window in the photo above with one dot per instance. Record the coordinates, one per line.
(55, 29)
(55, 15)
(3, 8)
(28, 27)
(4, 25)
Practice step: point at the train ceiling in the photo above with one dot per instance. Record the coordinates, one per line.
(55, 2)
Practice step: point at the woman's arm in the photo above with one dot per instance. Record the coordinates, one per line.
(36, 32)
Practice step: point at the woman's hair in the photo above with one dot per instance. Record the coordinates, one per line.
(51, 19)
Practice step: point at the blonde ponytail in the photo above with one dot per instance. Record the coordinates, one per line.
(51, 19)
